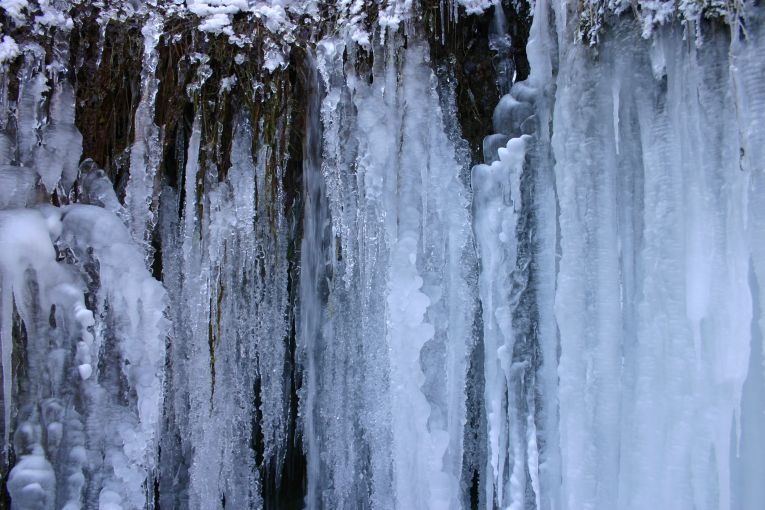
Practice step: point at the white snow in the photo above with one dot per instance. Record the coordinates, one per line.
(15, 9)
(9, 50)
(476, 6)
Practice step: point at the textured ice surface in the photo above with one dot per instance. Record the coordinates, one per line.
(123, 344)
(574, 324)
(654, 293)
(386, 350)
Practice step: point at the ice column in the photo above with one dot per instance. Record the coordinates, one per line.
(386, 362)
(514, 225)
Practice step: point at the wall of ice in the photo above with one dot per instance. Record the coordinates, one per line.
(285, 283)
(656, 267)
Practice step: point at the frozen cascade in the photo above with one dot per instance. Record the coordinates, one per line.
(230, 341)
(92, 372)
(253, 254)
(386, 345)
(82, 321)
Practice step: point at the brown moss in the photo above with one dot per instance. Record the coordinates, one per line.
(107, 92)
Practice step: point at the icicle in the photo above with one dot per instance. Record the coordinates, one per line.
(229, 283)
(146, 152)
(47, 139)
(497, 204)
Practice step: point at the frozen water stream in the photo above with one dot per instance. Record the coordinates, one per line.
(288, 287)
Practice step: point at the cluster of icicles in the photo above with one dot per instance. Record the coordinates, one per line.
(576, 323)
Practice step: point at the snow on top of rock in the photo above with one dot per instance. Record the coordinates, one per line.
(15, 9)
(217, 15)
(476, 6)
(652, 14)
(47, 14)
(395, 12)
(52, 17)
(8, 49)
(208, 7)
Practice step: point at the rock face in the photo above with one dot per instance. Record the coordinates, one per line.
(390, 254)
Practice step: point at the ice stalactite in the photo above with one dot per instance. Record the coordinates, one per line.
(498, 203)
(228, 281)
(46, 139)
(141, 195)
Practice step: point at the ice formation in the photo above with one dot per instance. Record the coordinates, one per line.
(107, 356)
(253, 255)
(398, 313)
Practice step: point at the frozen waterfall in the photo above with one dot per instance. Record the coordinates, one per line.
(389, 254)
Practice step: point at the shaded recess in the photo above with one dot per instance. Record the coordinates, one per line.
(463, 47)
